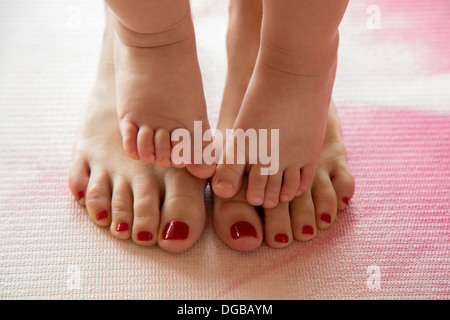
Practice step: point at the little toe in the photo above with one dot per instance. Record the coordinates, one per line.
(146, 207)
(324, 198)
(145, 144)
(129, 136)
(303, 218)
(272, 192)
(236, 222)
(344, 186)
(256, 186)
(291, 180)
(277, 226)
(183, 214)
(121, 210)
(162, 147)
(79, 180)
(98, 198)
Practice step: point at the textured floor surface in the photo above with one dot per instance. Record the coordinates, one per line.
(393, 97)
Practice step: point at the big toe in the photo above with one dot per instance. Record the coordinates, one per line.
(201, 171)
(183, 214)
(237, 222)
(227, 180)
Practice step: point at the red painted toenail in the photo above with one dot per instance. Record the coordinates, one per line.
(123, 226)
(325, 217)
(144, 236)
(242, 229)
(282, 237)
(346, 200)
(176, 230)
(308, 230)
(102, 215)
(79, 195)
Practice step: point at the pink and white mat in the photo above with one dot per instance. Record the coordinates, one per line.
(393, 97)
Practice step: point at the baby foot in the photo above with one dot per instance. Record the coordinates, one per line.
(159, 89)
(240, 226)
(290, 94)
(237, 222)
(136, 200)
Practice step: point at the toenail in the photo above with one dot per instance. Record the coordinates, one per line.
(284, 197)
(144, 236)
(325, 217)
(224, 184)
(346, 200)
(79, 195)
(308, 230)
(176, 230)
(242, 229)
(123, 226)
(258, 200)
(102, 215)
(282, 237)
(299, 193)
(269, 203)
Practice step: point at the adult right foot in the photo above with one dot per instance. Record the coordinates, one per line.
(158, 81)
(144, 202)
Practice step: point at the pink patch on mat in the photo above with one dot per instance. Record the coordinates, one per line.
(398, 220)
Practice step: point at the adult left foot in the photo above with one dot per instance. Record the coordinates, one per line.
(137, 200)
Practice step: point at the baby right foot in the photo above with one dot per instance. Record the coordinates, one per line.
(236, 221)
(159, 89)
(288, 94)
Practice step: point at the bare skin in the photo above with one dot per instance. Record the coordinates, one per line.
(144, 202)
(159, 89)
(289, 90)
(158, 81)
(236, 221)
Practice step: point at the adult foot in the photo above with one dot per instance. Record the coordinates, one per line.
(239, 223)
(159, 89)
(137, 200)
